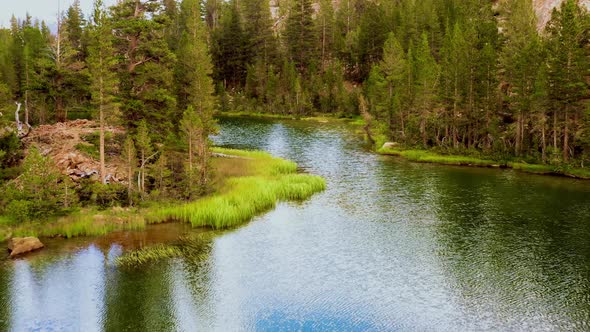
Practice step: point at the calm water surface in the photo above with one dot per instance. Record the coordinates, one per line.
(389, 246)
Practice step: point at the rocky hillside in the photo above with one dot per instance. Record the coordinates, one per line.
(71, 147)
(545, 7)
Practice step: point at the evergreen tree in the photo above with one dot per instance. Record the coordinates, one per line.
(567, 68)
(197, 91)
(427, 75)
(229, 47)
(326, 30)
(101, 62)
(261, 44)
(520, 58)
(300, 35)
(146, 70)
(143, 143)
(394, 68)
(129, 156)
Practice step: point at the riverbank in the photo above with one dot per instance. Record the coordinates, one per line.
(245, 184)
(425, 156)
(319, 117)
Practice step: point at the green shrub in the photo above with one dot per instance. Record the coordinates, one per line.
(19, 210)
(41, 184)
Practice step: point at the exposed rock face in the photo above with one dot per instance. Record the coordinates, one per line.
(60, 141)
(543, 8)
(21, 245)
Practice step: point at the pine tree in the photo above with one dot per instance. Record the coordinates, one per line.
(129, 155)
(300, 35)
(261, 44)
(521, 60)
(427, 75)
(229, 47)
(101, 62)
(146, 71)
(454, 75)
(197, 91)
(326, 30)
(567, 68)
(394, 68)
(143, 144)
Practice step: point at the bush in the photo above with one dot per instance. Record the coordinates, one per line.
(41, 190)
(108, 195)
(20, 210)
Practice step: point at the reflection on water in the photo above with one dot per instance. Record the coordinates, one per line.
(390, 245)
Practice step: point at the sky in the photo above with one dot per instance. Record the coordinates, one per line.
(42, 9)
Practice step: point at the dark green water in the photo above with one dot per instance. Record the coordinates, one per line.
(390, 245)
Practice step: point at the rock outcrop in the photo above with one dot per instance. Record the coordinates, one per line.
(22, 245)
(544, 8)
(60, 141)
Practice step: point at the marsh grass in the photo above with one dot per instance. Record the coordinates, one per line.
(271, 180)
(194, 247)
(431, 157)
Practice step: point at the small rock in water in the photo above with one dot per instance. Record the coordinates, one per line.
(21, 245)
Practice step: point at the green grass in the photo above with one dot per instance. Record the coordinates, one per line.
(84, 223)
(148, 255)
(272, 180)
(580, 173)
(431, 157)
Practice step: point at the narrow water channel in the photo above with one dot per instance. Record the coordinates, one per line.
(389, 246)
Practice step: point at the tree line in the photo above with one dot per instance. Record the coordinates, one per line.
(468, 76)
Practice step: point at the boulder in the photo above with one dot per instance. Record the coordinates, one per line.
(390, 145)
(21, 245)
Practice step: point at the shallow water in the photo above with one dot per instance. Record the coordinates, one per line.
(390, 245)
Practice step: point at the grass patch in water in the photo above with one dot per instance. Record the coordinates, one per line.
(148, 255)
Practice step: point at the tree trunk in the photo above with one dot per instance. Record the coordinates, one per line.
(543, 144)
(565, 137)
(453, 122)
(554, 132)
(101, 138)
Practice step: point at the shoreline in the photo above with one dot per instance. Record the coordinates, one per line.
(317, 117)
(425, 156)
(248, 183)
